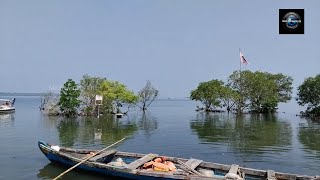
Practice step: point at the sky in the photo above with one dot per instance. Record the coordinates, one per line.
(176, 44)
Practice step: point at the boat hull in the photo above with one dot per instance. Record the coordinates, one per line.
(112, 171)
(102, 164)
(7, 110)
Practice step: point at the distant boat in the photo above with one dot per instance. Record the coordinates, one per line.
(7, 106)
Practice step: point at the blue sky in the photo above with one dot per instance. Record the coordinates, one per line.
(173, 43)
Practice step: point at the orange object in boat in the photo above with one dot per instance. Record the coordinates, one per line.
(148, 164)
(163, 158)
(161, 166)
(158, 160)
(171, 166)
(159, 169)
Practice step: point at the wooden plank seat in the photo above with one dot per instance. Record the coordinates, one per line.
(233, 173)
(102, 155)
(234, 169)
(193, 163)
(137, 163)
(271, 175)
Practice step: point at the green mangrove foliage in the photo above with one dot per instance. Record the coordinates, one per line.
(115, 95)
(261, 91)
(208, 93)
(74, 97)
(309, 94)
(284, 86)
(89, 87)
(254, 91)
(228, 97)
(214, 94)
(69, 101)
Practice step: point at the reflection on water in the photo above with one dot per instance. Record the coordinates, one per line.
(52, 170)
(68, 131)
(113, 129)
(256, 141)
(309, 136)
(282, 142)
(103, 130)
(88, 130)
(147, 123)
(9, 116)
(7, 120)
(246, 134)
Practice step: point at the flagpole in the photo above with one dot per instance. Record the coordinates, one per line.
(240, 66)
(240, 60)
(240, 85)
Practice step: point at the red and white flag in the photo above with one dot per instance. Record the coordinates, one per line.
(242, 59)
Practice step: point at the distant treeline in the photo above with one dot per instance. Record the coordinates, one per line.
(20, 94)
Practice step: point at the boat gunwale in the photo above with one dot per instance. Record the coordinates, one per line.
(204, 164)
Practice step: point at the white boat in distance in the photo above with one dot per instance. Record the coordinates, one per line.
(6, 105)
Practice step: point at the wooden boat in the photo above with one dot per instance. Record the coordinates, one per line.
(191, 169)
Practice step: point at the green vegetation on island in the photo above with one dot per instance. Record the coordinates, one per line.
(309, 94)
(80, 98)
(245, 91)
(69, 101)
(89, 87)
(115, 95)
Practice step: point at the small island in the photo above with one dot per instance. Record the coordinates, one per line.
(80, 99)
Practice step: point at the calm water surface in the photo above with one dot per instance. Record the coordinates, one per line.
(282, 142)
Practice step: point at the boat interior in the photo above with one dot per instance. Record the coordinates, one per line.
(195, 167)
